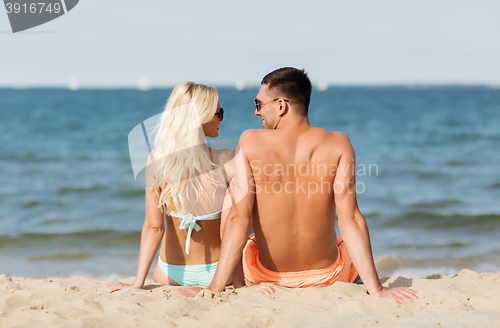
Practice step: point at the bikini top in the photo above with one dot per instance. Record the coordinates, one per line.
(188, 221)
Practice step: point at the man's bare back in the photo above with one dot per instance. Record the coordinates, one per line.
(289, 181)
(293, 176)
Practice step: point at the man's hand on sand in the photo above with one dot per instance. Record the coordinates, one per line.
(398, 294)
(265, 289)
(114, 286)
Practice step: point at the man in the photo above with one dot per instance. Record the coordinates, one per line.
(297, 177)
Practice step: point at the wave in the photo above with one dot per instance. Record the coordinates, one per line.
(389, 262)
(495, 186)
(396, 172)
(78, 190)
(96, 238)
(30, 157)
(31, 204)
(131, 193)
(429, 246)
(62, 257)
(435, 267)
(431, 175)
(428, 220)
(475, 137)
(55, 220)
(460, 163)
(437, 204)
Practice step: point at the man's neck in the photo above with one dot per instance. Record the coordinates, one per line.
(295, 122)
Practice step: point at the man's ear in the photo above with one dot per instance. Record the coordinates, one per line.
(284, 107)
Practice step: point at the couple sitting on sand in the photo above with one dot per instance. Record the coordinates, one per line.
(286, 181)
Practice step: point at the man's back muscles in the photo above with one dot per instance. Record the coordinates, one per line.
(294, 212)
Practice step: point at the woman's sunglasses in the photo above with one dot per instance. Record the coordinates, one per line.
(220, 114)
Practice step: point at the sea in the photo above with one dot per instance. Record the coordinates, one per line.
(428, 164)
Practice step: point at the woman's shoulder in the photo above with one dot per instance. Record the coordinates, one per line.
(151, 156)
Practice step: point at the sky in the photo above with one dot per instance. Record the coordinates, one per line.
(113, 43)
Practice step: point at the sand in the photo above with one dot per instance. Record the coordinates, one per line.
(468, 299)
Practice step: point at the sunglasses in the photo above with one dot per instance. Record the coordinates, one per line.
(220, 114)
(258, 104)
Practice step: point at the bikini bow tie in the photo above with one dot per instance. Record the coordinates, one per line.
(189, 222)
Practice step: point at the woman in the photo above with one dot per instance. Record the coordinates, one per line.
(185, 178)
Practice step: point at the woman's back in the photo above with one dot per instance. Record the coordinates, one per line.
(183, 182)
(203, 244)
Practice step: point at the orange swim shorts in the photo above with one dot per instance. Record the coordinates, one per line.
(341, 270)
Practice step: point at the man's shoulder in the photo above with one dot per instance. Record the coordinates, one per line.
(255, 142)
(255, 132)
(336, 143)
(340, 137)
(337, 137)
(251, 135)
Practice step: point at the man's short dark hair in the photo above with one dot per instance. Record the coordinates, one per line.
(292, 84)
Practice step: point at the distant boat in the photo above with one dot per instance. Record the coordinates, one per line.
(143, 83)
(322, 86)
(73, 84)
(240, 86)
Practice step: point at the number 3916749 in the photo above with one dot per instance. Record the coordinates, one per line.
(33, 8)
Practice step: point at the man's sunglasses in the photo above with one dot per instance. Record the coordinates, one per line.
(258, 104)
(220, 114)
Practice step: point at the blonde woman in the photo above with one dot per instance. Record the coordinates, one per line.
(186, 181)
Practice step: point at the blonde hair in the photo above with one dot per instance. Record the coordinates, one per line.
(179, 159)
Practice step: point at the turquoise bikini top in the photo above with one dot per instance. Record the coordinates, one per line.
(188, 221)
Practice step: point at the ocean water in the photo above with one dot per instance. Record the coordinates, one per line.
(69, 203)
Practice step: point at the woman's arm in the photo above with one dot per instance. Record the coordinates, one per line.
(151, 236)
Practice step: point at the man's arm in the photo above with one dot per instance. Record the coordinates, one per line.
(237, 278)
(239, 219)
(353, 228)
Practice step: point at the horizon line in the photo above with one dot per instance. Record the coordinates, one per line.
(251, 86)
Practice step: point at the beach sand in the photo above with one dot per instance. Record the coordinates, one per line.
(468, 299)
